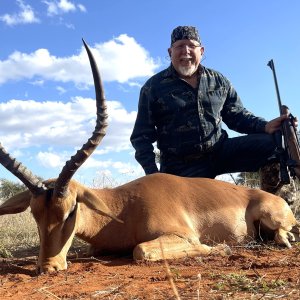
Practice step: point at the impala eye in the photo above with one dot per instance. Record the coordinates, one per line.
(72, 211)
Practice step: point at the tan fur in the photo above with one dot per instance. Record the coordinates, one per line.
(158, 212)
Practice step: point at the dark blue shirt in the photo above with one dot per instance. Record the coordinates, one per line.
(184, 120)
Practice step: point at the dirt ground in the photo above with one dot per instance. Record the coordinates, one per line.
(252, 272)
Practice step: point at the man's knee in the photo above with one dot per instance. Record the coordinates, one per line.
(290, 193)
(270, 182)
(270, 178)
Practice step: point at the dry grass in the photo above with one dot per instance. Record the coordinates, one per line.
(17, 233)
(19, 236)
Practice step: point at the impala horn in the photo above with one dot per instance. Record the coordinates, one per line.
(87, 149)
(32, 182)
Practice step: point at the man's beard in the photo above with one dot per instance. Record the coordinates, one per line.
(187, 71)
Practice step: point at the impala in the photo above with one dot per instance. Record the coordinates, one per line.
(157, 216)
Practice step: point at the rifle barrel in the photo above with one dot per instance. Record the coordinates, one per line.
(272, 66)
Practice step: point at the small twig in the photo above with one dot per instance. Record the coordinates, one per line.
(169, 274)
(88, 258)
(198, 289)
(105, 292)
(44, 291)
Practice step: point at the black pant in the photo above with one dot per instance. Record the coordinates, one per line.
(239, 154)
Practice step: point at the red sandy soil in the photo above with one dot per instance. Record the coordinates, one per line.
(257, 272)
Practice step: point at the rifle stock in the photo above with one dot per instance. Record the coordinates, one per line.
(292, 143)
(289, 133)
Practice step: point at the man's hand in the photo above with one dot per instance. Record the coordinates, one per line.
(275, 124)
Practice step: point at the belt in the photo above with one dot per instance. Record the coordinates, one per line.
(185, 158)
(195, 156)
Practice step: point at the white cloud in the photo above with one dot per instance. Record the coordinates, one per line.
(121, 168)
(51, 132)
(81, 7)
(26, 15)
(121, 59)
(60, 90)
(37, 82)
(66, 6)
(62, 7)
(56, 161)
(30, 123)
(49, 159)
(70, 26)
(137, 84)
(44, 135)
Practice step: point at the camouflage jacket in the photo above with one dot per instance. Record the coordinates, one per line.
(184, 120)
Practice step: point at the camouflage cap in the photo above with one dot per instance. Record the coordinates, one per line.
(185, 32)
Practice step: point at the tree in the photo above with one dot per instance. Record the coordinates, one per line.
(9, 188)
(250, 179)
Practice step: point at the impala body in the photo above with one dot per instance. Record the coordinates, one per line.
(157, 216)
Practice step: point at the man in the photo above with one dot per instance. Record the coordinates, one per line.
(182, 108)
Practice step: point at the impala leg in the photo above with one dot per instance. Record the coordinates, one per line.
(284, 237)
(174, 247)
(277, 216)
(295, 233)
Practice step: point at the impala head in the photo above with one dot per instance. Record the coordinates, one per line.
(54, 203)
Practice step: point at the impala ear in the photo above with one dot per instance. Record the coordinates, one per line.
(16, 204)
(93, 202)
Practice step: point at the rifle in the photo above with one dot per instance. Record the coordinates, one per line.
(287, 141)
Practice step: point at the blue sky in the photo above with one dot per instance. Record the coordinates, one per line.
(47, 104)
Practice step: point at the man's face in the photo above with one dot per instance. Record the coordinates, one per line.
(186, 56)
